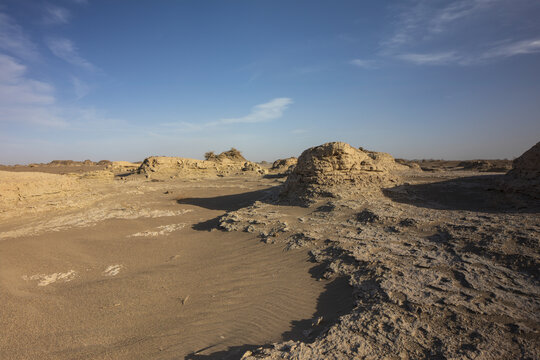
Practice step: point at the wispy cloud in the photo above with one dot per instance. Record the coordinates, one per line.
(364, 64)
(430, 59)
(24, 100)
(508, 49)
(14, 41)
(529, 46)
(261, 113)
(28, 102)
(425, 25)
(457, 10)
(66, 50)
(55, 15)
(424, 19)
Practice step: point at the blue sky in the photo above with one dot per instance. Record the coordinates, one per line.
(123, 80)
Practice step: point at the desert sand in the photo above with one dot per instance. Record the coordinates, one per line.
(341, 253)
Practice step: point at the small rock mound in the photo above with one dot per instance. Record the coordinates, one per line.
(384, 160)
(525, 174)
(337, 169)
(251, 166)
(232, 155)
(287, 164)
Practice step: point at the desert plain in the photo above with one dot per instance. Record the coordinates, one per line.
(341, 253)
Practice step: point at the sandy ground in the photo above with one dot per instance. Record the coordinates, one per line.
(442, 266)
(136, 273)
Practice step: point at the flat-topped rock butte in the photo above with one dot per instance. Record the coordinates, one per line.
(340, 253)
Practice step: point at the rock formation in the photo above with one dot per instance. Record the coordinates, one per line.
(227, 163)
(284, 165)
(525, 174)
(337, 169)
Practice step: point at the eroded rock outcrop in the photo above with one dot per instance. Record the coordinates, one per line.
(227, 163)
(284, 165)
(525, 174)
(337, 169)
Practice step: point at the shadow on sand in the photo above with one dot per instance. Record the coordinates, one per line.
(335, 301)
(481, 193)
(227, 203)
(231, 202)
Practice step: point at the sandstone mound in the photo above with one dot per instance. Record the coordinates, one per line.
(232, 155)
(227, 163)
(287, 164)
(384, 160)
(337, 169)
(525, 174)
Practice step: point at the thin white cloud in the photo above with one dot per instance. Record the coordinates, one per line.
(261, 113)
(506, 50)
(424, 19)
(55, 15)
(14, 41)
(24, 100)
(67, 51)
(431, 59)
(529, 46)
(425, 25)
(364, 64)
(457, 10)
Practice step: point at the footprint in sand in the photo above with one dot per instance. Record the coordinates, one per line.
(112, 270)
